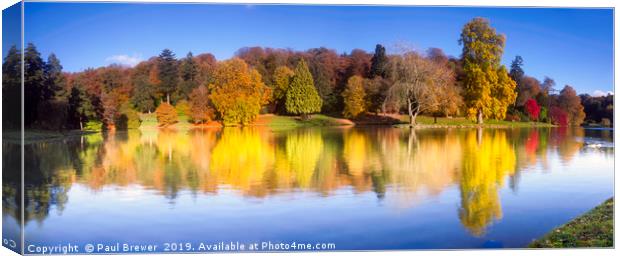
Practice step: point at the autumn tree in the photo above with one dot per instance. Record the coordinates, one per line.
(546, 88)
(532, 108)
(489, 90)
(376, 92)
(281, 81)
(200, 110)
(571, 104)
(128, 118)
(111, 104)
(357, 63)
(529, 88)
(354, 97)
(418, 83)
(302, 97)
(238, 92)
(206, 64)
(167, 73)
(558, 116)
(323, 65)
(450, 101)
(166, 115)
(379, 62)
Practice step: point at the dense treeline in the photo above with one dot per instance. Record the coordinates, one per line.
(287, 82)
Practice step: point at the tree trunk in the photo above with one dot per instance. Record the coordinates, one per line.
(435, 119)
(479, 117)
(168, 98)
(412, 114)
(81, 125)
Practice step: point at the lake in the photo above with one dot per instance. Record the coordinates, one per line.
(358, 188)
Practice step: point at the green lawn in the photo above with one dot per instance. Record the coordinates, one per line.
(462, 121)
(293, 121)
(275, 121)
(593, 229)
(149, 121)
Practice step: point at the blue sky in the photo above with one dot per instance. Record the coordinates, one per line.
(573, 46)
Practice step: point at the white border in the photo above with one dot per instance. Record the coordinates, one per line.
(507, 3)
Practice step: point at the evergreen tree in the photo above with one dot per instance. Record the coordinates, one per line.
(302, 97)
(168, 73)
(142, 97)
(379, 62)
(144, 89)
(35, 91)
(81, 109)
(188, 73)
(54, 79)
(516, 70)
(11, 88)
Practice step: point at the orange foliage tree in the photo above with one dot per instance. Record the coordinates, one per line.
(238, 92)
(199, 105)
(166, 114)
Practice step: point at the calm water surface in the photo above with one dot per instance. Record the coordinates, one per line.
(359, 188)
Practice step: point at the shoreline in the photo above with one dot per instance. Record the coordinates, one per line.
(290, 122)
(594, 228)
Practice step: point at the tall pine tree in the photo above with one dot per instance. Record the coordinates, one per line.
(11, 88)
(168, 73)
(188, 73)
(379, 62)
(35, 91)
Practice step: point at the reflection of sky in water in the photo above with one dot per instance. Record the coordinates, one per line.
(361, 188)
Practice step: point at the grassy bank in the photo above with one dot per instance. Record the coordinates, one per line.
(149, 121)
(464, 122)
(593, 229)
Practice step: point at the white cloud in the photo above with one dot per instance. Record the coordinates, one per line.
(598, 93)
(124, 60)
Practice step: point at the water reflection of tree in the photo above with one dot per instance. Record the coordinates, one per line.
(488, 160)
(50, 169)
(11, 179)
(258, 162)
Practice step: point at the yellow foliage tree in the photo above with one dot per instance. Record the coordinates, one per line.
(354, 97)
(281, 81)
(491, 159)
(489, 90)
(238, 92)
